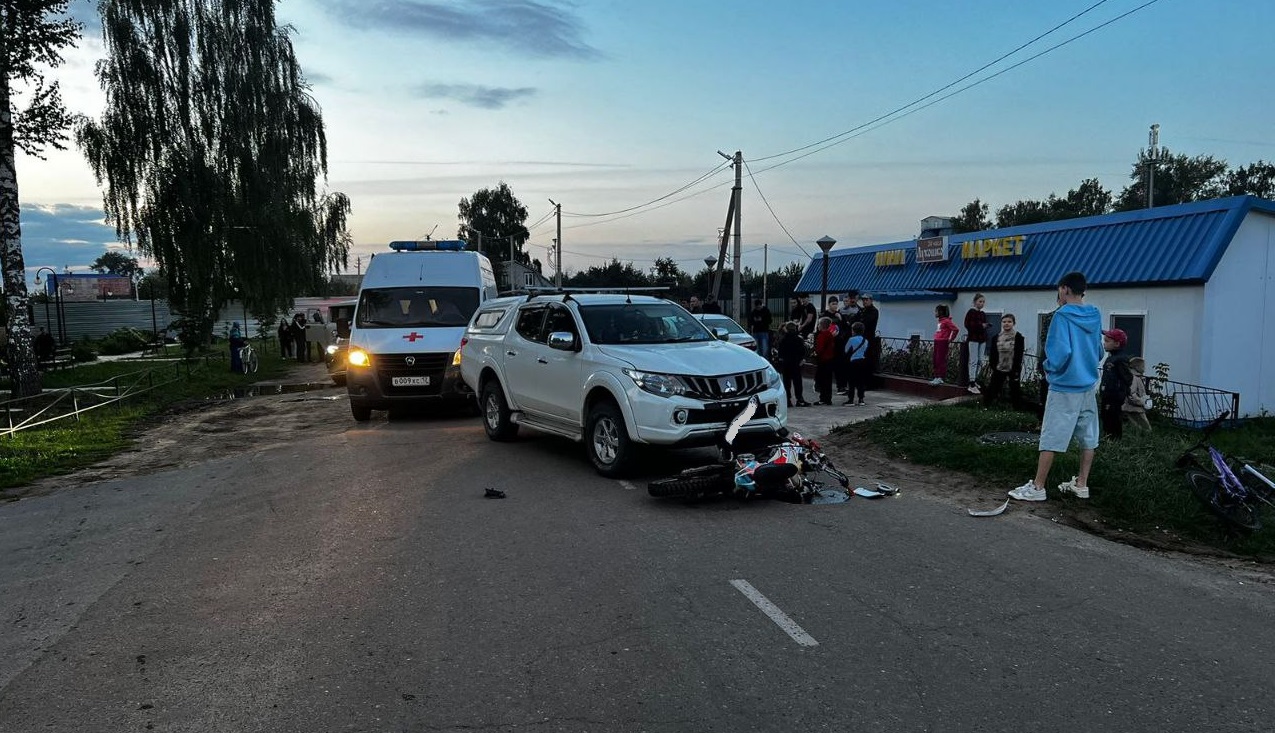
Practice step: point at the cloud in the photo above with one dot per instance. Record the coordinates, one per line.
(475, 95)
(319, 79)
(525, 26)
(63, 235)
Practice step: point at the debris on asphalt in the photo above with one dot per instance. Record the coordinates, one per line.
(867, 493)
(989, 512)
(887, 489)
(494, 494)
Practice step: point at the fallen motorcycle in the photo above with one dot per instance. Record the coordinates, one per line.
(785, 471)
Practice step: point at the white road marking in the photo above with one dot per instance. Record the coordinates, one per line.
(789, 626)
(628, 485)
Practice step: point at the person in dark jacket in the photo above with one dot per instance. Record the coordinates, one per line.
(285, 339)
(869, 316)
(976, 340)
(792, 353)
(297, 330)
(1117, 381)
(759, 322)
(711, 305)
(237, 342)
(1005, 357)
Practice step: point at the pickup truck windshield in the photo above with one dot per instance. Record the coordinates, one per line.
(641, 323)
(416, 307)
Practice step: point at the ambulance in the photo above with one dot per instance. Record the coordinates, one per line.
(413, 307)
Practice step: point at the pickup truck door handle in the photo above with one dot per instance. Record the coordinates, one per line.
(511, 353)
(542, 360)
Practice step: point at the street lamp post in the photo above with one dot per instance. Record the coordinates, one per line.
(709, 261)
(825, 243)
(38, 281)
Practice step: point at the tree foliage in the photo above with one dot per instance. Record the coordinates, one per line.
(33, 35)
(612, 274)
(1178, 180)
(494, 217)
(116, 263)
(974, 217)
(211, 152)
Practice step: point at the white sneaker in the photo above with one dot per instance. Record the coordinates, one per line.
(973, 389)
(936, 381)
(1028, 492)
(1070, 487)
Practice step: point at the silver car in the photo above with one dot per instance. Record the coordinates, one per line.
(735, 332)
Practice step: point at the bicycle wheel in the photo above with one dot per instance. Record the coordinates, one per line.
(1233, 511)
(253, 363)
(693, 482)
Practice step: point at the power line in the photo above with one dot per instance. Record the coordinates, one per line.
(717, 168)
(753, 178)
(858, 131)
(936, 91)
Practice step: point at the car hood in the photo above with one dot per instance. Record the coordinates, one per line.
(707, 358)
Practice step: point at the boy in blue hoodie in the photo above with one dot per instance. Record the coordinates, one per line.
(1073, 350)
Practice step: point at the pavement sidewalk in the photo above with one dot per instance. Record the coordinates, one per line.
(818, 420)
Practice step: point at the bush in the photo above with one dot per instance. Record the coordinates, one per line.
(83, 351)
(123, 341)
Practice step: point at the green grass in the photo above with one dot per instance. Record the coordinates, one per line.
(67, 445)
(1136, 487)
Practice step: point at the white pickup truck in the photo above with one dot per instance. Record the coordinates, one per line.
(613, 371)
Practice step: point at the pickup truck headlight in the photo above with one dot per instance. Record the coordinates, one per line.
(773, 378)
(664, 385)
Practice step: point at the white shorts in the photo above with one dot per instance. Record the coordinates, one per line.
(1068, 416)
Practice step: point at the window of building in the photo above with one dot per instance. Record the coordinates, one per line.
(528, 278)
(1134, 326)
(1042, 328)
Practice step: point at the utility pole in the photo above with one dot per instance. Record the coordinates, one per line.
(1153, 154)
(765, 269)
(739, 254)
(557, 244)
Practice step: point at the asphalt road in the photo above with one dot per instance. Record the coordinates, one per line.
(360, 581)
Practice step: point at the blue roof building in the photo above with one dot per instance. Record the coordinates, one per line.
(1193, 284)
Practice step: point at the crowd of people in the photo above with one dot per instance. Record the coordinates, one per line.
(841, 341)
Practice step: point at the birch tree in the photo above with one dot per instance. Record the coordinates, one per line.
(33, 34)
(211, 151)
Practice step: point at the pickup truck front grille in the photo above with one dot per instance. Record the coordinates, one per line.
(725, 387)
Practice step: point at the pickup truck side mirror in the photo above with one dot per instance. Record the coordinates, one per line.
(721, 334)
(562, 341)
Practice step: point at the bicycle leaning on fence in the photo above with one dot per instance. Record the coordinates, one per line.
(248, 357)
(1233, 489)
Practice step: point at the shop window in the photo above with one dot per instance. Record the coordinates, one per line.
(1134, 327)
(993, 324)
(1042, 328)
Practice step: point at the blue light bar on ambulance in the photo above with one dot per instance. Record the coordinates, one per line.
(448, 245)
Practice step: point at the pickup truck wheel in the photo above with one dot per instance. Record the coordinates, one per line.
(497, 420)
(607, 440)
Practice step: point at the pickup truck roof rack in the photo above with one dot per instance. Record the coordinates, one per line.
(566, 293)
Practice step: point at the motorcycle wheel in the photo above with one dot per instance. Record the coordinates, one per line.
(693, 482)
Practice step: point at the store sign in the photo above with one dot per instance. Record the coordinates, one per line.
(997, 247)
(892, 258)
(931, 249)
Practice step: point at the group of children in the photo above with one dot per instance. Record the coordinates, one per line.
(1122, 392)
(792, 352)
